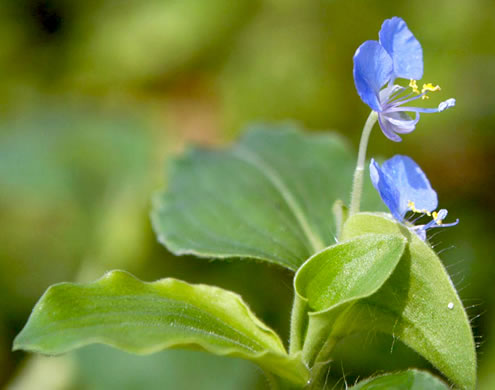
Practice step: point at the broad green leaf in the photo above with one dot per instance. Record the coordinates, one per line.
(418, 305)
(406, 380)
(126, 313)
(268, 197)
(338, 276)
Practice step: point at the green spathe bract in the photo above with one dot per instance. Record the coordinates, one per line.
(121, 311)
(339, 276)
(348, 270)
(418, 304)
(333, 280)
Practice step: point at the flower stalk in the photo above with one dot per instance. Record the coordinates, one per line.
(357, 183)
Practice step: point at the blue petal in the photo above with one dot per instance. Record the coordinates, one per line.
(412, 184)
(387, 189)
(399, 122)
(421, 233)
(372, 69)
(403, 47)
(388, 129)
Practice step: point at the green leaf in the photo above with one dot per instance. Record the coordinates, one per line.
(268, 197)
(349, 270)
(406, 380)
(418, 305)
(126, 313)
(337, 277)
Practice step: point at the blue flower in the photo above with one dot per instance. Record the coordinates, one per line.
(398, 54)
(404, 187)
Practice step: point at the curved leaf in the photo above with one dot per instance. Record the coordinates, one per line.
(126, 313)
(406, 380)
(268, 197)
(338, 276)
(349, 270)
(418, 305)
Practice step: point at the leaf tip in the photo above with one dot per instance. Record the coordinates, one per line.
(21, 341)
(16, 344)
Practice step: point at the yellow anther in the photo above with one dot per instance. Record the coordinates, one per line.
(414, 86)
(429, 87)
(435, 217)
(413, 208)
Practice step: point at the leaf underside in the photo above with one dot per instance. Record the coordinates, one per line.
(138, 317)
(268, 197)
(418, 305)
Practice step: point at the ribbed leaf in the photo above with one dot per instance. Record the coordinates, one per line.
(121, 311)
(268, 197)
(418, 305)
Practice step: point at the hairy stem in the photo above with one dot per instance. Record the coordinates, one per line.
(357, 184)
(297, 324)
(321, 365)
(340, 212)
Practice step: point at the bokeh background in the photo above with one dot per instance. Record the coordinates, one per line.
(95, 96)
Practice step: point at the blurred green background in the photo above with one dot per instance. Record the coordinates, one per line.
(95, 96)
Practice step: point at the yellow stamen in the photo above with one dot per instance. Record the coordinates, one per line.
(413, 208)
(435, 217)
(414, 86)
(429, 87)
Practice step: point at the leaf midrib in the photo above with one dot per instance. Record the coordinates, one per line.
(273, 177)
(154, 299)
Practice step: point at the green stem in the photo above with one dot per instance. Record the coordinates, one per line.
(297, 323)
(340, 212)
(320, 367)
(357, 184)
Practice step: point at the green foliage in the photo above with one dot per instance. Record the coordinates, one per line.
(138, 317)
(348, 271)
(199, 69)
(407, 380)
(337, 277)
(273, 197)
(266, 198)
(418, 305)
